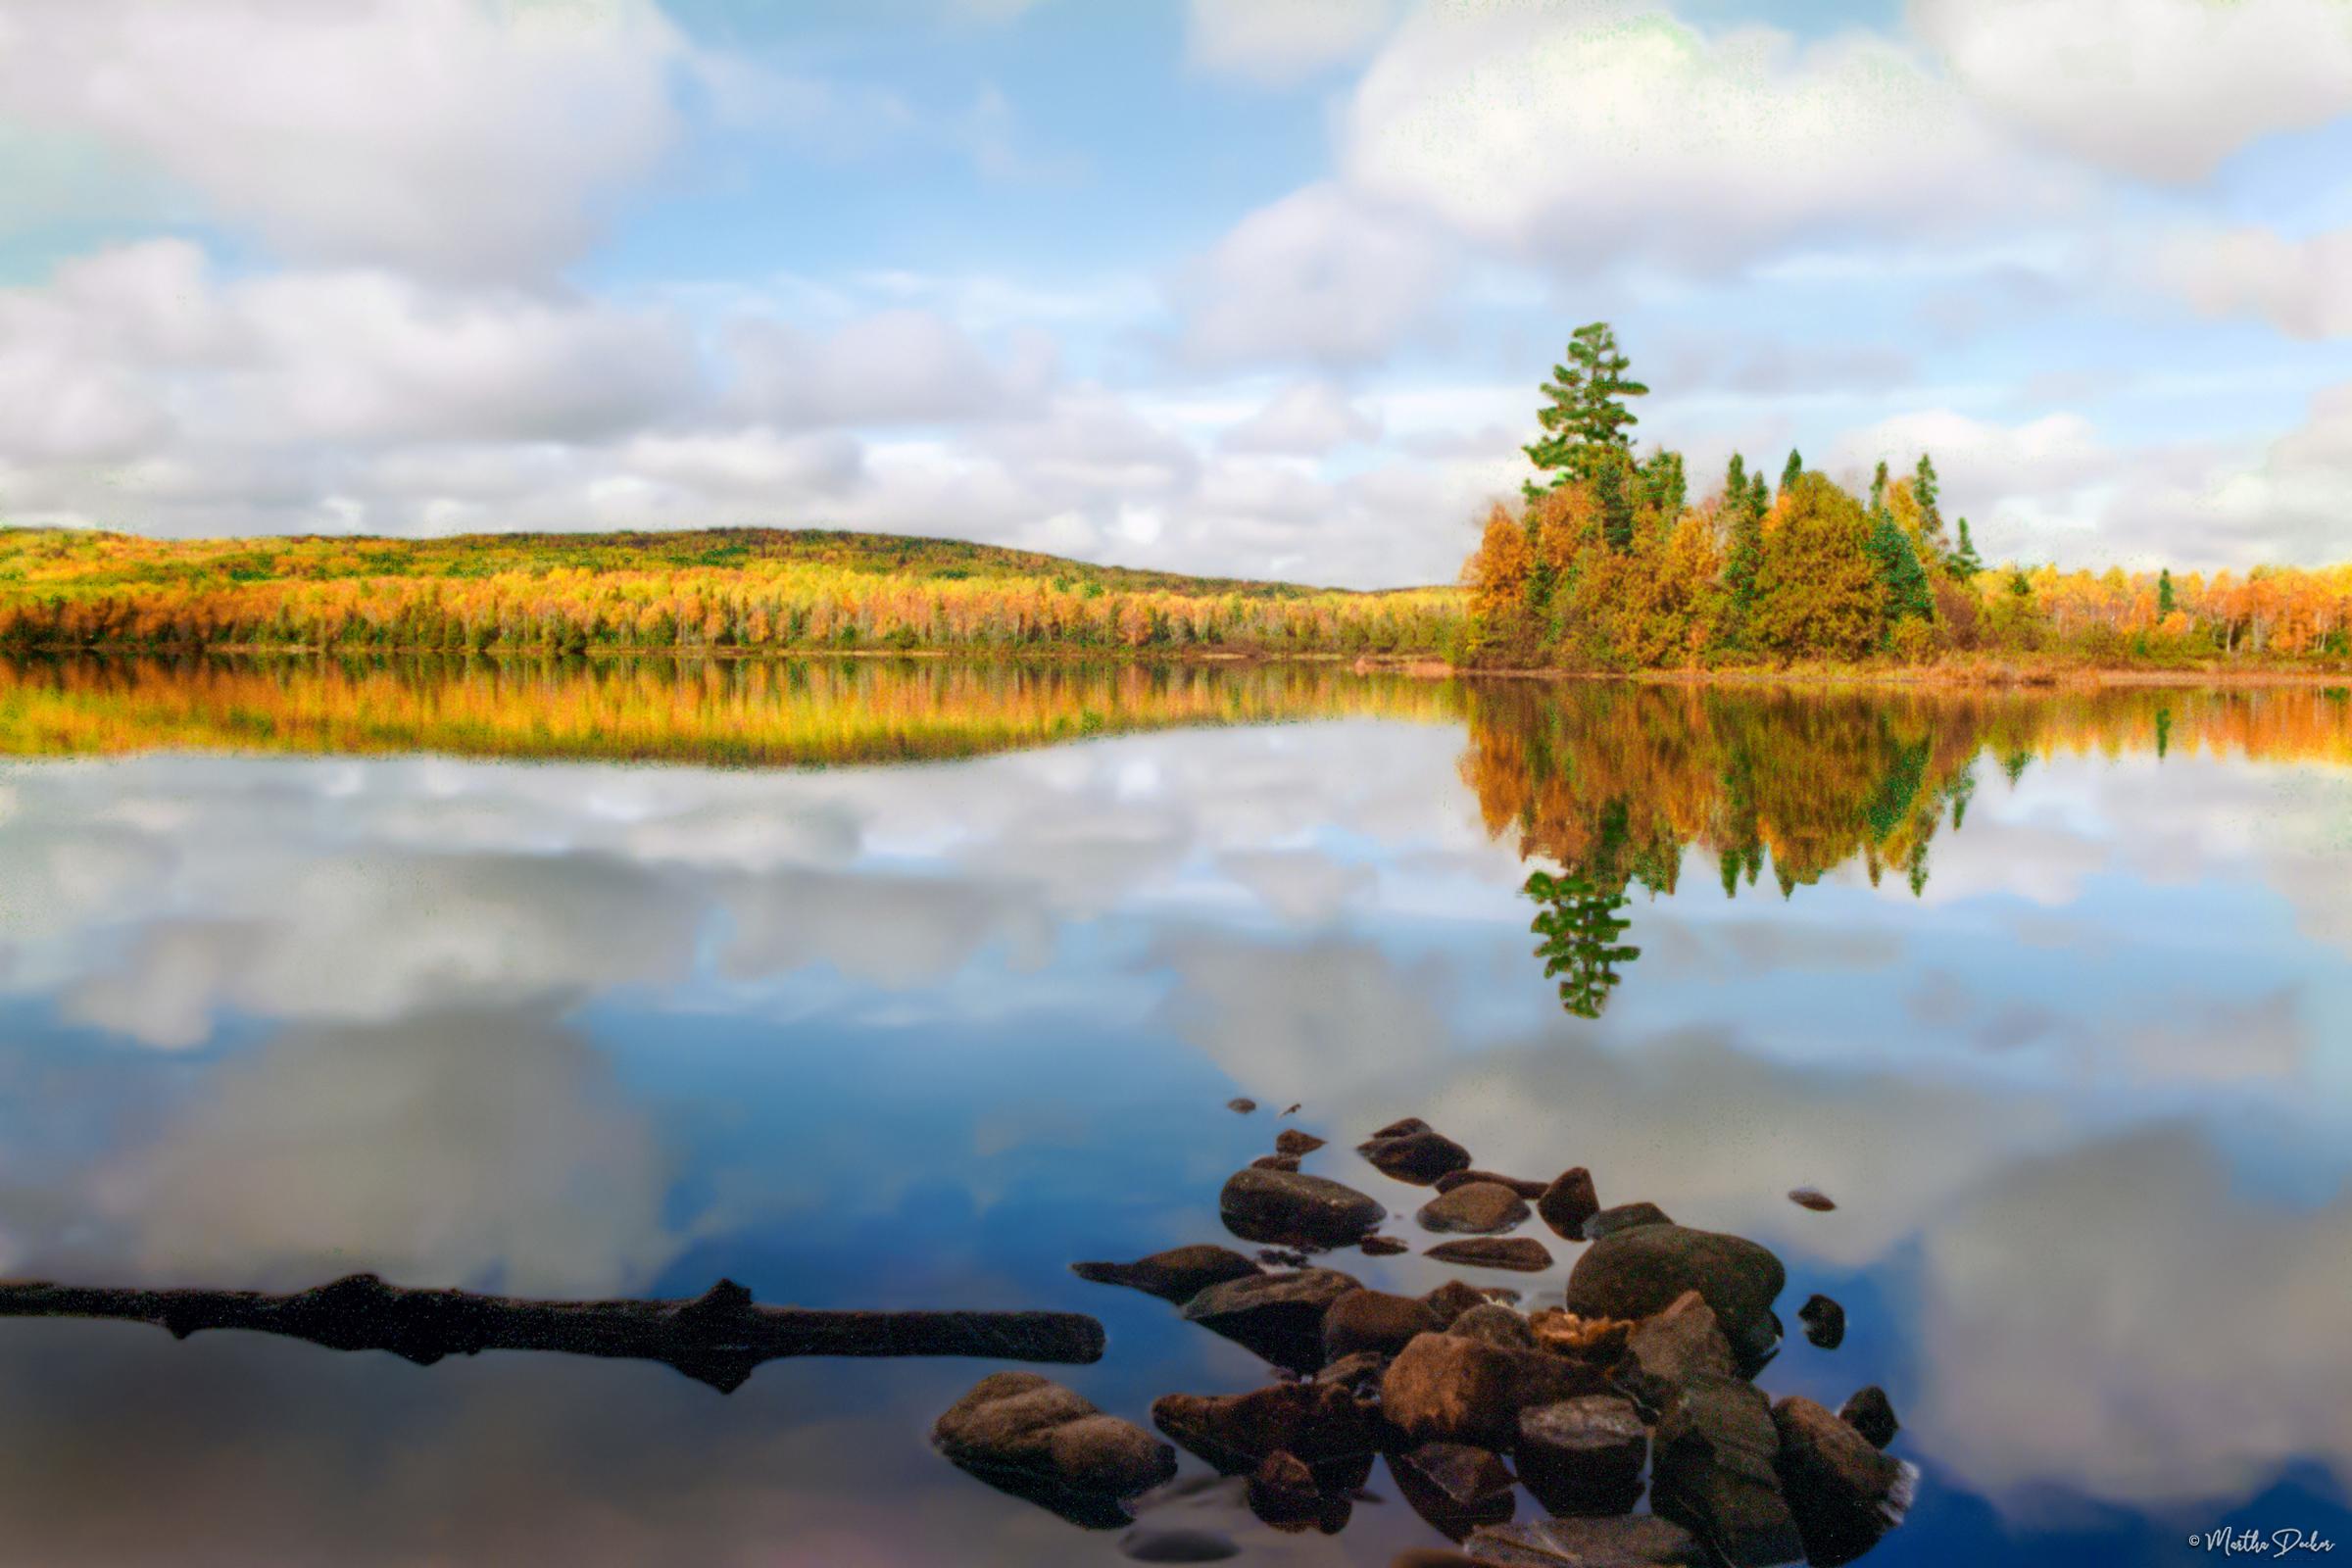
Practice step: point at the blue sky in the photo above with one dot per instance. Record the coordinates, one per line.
(1258, 286)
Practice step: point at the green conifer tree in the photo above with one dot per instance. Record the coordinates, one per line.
(1964, 562)
(1585, 414)
(2164, 592)
(1791, 471)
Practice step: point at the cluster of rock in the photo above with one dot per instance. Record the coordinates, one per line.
(1639, 1381)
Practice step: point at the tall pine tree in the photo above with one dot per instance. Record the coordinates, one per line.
(1964, 562)
(1791, 471)
(1584, 416)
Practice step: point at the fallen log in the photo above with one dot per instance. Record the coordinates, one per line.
(718, 1337)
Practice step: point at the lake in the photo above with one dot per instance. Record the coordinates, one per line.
(890, 985)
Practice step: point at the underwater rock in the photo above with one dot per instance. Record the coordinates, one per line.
(1176, 1275)
(1624, 1217)
(1521, 1254)
(1634, 1273)
(1033, 1438)
(1568, 1202)
(1448, 1389)
(1714, 1471)
(1584, 1455)
(1871, 1413)
(1531, 1190)
(1477, 1208)
(1169, 1543)
(1290, 1209)
(1278, 1316)
(1419, 1157)
(1375, 1320)
(1824, 1321)
(1638, 1541)
(1843, 1491)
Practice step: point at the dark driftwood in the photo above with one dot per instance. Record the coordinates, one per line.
(718, 1337)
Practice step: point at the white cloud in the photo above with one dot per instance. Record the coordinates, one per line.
(1306, 418)
(2163, 89)
(896, 367)
(1275, 42)
(1579, 136)
(2301, 287)
(432, 135)
(1318, 275)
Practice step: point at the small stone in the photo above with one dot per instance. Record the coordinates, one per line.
(1455, 1487)
(1154, 1543)
(1568, 1202)
(1278, 1316)
(1290, 1141)
(1291, 1210)
(1293, 1110)
(1584, 1455)
(1241, 1106)
(1871, 1413)
(1275, 1162)
(1624, 1217)
(1491, 1323)
(1283, 1492)
(1317, 1423)
(1375, 1320)
(1531, 1190)
(1845, 1493)
(1177, 1275)
(1812, 1198)
(1476, 1209)
(1037, 1440)
(1383, 1247)
(1634, 1273)
(1447, 1389)
(1521, 1254)
(1453, 1298)
(1824, 1321)
(1419, 1157)
(1638, 1541)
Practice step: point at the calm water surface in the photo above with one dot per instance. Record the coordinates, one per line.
(575, 983)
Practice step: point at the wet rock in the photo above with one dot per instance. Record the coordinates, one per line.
(1824, 1321)
(1291, 1210)
(1241, 1106)
(1568, 1202)
(1375, 1320)
(1584, 1455)
(1317, 1423)
(1531, 1190)
(1177, 1275)
(1637, 1542)
(1275, 1162)
(1360, 1371)
(1444, 1388)
(1419, 1157)
(1383, 1247)
(1714, 1471)
(1871, 1413)
(1812, 1198)
(1283, 1257)
(1278, 1316)
(1670, 1348)
(1624, 1217)
(1164, 1543)
(1283, 1492)
(1033, 1438)
(1476, 1209)
(1843, 1492)
(1456, 1487)
(1491, 1323)
(1294, 1143)
(1634, 1273)
(1453, 1298)
(1404, 1128)
(1521, 1254)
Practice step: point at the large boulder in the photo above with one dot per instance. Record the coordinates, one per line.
(1031, 1437)
(1287, 1208)
(1635, 1541)
(1278, 1316)
(1843, 1492)
(1176, 1275)
(1419, 1155)
(1714, 1470)
(1474, 1208)
(1584, 1455)
(1522, 1254)
(1375, 1320)
(1447, 1389)
(1634, 1273)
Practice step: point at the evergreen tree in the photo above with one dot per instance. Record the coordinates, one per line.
(1877, 493)
(1759, 499)
(1743, 519)
(1613, 484)
(1791, 471)
(1664, 489)
(1585, 415)
(2164, 592)
(1901, 579)
(1964, 562)
(1926, 491)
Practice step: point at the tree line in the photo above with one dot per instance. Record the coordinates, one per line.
(1609, 564)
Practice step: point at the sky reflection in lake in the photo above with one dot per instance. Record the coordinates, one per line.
(921, 1036)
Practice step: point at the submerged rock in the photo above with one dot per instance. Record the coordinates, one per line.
(1033, 1438)
(1521, 1254)
(1176, 1275)
(1446, 1388)
(1824, 1321)
(1319, 1424)
(1278, 1316)
(1871, 1413)
(1714, 1471)
(1584, 1455)
(1375, 1320)
(1285, 1207)
(1383, 1247)
(1568, 1202)
(1639, 1542)
(1634, 1273)
(1812, 1198)
(1169, 1543)
(1843, 1492)
(1477, 1208)
(1294, 1143)
(1624, 1217)
(1419, 1156)
(1531, 1190)
(1455, 1487)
